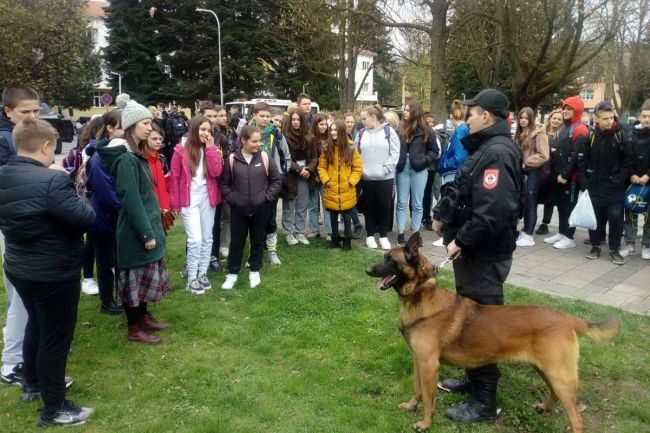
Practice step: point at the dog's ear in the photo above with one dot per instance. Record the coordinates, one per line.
(411, 249)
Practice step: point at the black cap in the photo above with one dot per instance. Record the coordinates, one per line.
(491, 100)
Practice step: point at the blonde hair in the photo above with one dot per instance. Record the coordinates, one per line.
(30, 134)
(547, 123)
(457, 110)
(392, 118)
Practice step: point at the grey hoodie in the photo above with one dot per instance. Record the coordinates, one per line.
(379, 156)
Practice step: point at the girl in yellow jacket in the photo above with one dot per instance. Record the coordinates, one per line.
(339, 169)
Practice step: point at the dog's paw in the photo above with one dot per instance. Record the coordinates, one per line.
(421, 426)
(409, 406)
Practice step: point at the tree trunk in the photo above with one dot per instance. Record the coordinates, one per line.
(438, 34)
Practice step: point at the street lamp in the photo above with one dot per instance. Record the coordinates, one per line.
(303, 87)
(219, 43)
(119, 82)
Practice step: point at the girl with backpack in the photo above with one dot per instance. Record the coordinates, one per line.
(320, 136)
(196, 167)
(142, 271)
(340, 169)
(378, 145)
(418, 150)
(295, 188)
(104, 200)
(251, 185)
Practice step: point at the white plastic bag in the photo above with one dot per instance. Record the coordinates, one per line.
(583, 214)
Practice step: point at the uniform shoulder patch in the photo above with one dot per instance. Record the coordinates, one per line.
(490, 178)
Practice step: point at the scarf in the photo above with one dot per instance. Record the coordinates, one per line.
(267, 137)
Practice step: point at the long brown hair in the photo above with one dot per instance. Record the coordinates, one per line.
(408, 128)
(342, 143)
(90, 131)
(521, 134)
(318, 118)
(298, 139)
(193, 144)
(113, 119)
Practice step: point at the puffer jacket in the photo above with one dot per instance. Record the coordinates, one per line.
(103, 197)
(455, 154)
(340, 180)
(641, 165)
(7, 147)
(248, 188)
(43, 221)
(565, 156)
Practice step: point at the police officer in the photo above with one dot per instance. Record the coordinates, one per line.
(479, 213)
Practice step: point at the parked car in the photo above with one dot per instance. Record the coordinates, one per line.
(64, 126)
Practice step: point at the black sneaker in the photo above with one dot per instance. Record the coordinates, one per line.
(472, 411)
(594, 253)
(542, 229)
(616, 258)
(401, 239)
(427, 225)
(356, 234)
(15, 377)
(587, 241)
(215, 266)
(32, 393)
(69, 414)
(112, 308)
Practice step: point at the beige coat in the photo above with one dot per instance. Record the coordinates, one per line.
(532, 159)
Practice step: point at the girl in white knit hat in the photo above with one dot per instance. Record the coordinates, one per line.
(142, 271)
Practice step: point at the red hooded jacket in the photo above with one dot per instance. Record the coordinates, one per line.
(159, 180)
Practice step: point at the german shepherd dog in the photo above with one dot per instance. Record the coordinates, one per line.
(441, 326)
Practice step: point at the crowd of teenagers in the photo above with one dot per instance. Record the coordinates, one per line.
(137, 171)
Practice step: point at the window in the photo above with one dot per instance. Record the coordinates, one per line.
(366, 87)
(97, 99)
(587, 95)
(365, 66)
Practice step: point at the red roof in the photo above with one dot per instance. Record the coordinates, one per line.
(95, 8)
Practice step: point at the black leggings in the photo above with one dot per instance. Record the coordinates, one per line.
(347, 223)
(378, 196)
(133, 314)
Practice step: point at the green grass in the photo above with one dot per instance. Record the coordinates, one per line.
(314, 349)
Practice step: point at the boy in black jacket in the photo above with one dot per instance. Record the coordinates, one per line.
(640, 175)
(604, 162)
(43, 221)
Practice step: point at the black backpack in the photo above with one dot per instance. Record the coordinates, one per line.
(179, 127)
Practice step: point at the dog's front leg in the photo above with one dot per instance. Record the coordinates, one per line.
(417, 389)
(428, 369)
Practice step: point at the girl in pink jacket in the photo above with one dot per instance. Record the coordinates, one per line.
(196, 167)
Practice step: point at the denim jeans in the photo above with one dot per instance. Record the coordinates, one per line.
(410, 183)
(315, 193)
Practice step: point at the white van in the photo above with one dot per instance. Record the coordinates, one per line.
(246, 107)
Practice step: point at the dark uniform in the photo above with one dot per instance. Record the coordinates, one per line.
(480, 210)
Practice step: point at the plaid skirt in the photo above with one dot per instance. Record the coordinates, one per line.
(147, 283)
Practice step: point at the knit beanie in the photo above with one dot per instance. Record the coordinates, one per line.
(132, 112)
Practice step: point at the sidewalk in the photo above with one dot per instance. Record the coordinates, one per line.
(569, 274)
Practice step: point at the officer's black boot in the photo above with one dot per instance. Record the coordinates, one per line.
(482, 405)
(455, 385)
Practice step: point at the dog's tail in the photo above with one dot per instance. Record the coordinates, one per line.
(602, 331)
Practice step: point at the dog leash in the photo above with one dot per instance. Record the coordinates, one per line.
(446, 261)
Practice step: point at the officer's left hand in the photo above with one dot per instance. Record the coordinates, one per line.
(453, 250)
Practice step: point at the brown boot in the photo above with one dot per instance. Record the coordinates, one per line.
(137, 334)
(149, 323)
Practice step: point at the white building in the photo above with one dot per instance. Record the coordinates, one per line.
(96, 14)
(367, 95)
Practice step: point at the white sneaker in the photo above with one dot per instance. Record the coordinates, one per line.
(627, 250)
(254, 279)
(291, 240)
(194, 287)
(89, 287)
(525, 240)
(645, 253)
(231, 279)
(384, 244)
(370, 242)
(438, 243)
(274, 259)
(564, 243)
(302, 239)
(224, 251)
(554, 239)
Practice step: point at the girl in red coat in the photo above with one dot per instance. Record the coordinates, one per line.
(160, 173)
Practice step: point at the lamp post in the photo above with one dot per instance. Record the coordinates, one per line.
(219, 43)
(119, 82)
(303, 87)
